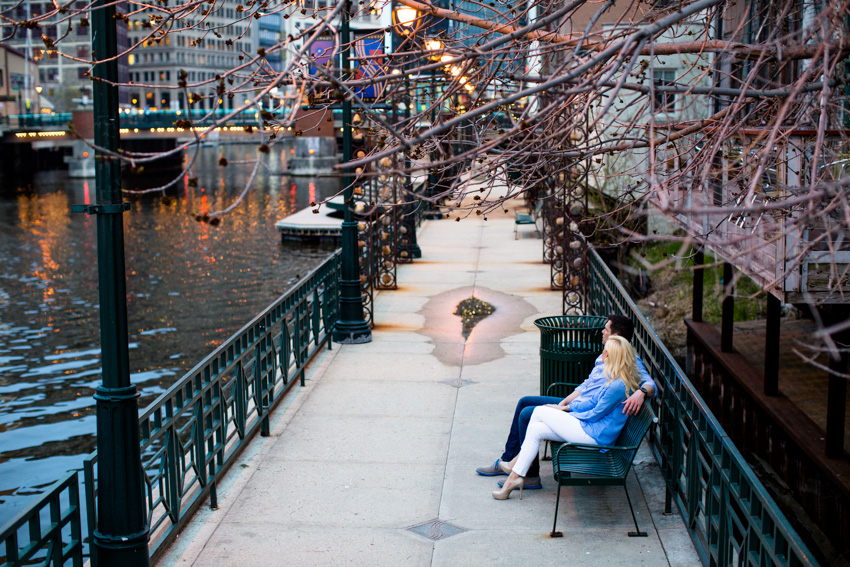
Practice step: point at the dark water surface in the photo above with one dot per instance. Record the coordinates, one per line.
(189, 287)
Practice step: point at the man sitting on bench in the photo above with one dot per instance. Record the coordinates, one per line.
(616, 325)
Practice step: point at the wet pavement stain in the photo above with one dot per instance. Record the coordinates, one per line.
(471, 311)
(483, 343)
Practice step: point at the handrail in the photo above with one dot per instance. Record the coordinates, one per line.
(729, 514)
(193, 432)
(52, 538)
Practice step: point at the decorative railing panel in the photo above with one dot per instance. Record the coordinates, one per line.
(48, 532)
(729, 514)
(783, 437)
(193, 432)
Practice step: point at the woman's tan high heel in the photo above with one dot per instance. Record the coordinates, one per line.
(507, 488)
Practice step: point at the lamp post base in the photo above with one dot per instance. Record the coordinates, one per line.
(130, 551)
(352, 333)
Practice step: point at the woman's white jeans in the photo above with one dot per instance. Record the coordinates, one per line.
(552, 424)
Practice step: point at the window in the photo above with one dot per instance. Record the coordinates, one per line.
(2, 81)
(83, 51)
(664, 101)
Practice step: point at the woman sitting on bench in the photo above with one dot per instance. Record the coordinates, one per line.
(596, 420)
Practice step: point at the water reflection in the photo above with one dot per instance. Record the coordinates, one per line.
(189, 286)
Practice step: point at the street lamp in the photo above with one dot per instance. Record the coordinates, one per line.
(405, 19)
(405, 22)
(350, 327)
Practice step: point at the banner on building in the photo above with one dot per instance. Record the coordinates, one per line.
(323, 63)
(369, 62)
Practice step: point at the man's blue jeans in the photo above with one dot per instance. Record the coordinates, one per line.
(522, 415)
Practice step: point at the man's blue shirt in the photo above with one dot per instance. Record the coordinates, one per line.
(597, 378)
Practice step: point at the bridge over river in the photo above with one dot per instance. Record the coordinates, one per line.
(140, 131)
(367, 453)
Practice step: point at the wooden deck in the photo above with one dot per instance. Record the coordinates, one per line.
(799, 381)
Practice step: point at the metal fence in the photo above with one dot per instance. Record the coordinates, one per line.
(732, 519)
(192, 433)
(48, 532)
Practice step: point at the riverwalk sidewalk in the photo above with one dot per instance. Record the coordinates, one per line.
(373, 461)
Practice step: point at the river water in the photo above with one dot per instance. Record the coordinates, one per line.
(189, 287)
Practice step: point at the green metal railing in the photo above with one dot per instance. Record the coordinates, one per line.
(199, 118)
(192, 433)
(729, 514)
(48, 532)
(23, 121)
(149, 119)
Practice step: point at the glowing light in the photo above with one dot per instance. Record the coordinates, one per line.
(445, 58)
(292, 151)
(49, 134)
(85, 154)
(405, 16)
(434, 44)
(311, 153)
(455, 71)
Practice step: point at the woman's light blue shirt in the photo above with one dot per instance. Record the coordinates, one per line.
(601, 413)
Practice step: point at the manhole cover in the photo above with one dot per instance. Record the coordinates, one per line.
(436, 529)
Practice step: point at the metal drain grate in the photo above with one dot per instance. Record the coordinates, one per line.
(436, 529)
(458, 383)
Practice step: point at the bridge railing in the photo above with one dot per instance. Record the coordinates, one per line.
(198, 118)
(147, 119)
(48, 531)
(193, 432)
(24, 121)
(728, 512)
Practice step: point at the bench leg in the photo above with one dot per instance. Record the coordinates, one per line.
(637, 532)
(554, 533)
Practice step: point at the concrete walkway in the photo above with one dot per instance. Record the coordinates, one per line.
(386, 436)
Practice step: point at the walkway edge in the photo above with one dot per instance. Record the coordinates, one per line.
(198, 532)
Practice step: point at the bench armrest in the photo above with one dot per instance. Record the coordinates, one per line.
(553, 384)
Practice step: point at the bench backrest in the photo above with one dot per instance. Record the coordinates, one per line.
(633, 433)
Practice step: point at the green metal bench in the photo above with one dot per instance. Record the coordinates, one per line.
(597, 468)
(529, 218)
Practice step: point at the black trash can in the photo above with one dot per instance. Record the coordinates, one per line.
(569, 345)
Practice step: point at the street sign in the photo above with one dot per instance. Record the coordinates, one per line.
(19, 81)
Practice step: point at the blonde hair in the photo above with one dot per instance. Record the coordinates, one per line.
(621, 363)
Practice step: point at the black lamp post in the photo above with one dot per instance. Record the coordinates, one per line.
(406, 22)
(122, 532)
(351, 327)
